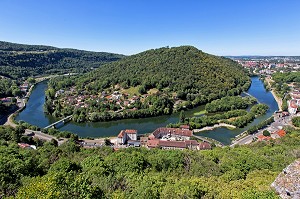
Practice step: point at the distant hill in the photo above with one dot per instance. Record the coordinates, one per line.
(185, 70)
(19, 60)
(151, 83)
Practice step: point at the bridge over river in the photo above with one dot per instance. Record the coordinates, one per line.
(62, 120)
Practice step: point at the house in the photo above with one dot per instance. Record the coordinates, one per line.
(183, 134)
(6, 99)
(181, 145)
(134, 143)
(278, 134)
(125, 135)
(185, 127)
(292, 106)
(263, 138)
(143, 141)
(26, 146)
(296, 96)
(204, 146)
(24, 87)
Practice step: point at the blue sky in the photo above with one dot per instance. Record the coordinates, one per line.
(221, 27)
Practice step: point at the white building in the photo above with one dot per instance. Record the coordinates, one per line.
(292, 106)
(125, 135)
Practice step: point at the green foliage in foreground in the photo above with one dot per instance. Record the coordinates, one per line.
(68, 171)
(296, 121)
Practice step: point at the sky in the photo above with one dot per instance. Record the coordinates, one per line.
(220, 27)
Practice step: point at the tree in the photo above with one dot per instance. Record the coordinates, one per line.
(266, 133)
(31, 80)
(296, 121)
(182, 116)
(107, 142)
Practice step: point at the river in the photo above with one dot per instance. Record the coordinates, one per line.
(33, 114)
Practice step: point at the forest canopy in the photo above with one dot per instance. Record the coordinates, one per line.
(19, 60)
(68, 171)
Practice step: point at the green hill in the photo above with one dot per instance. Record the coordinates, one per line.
(150, 83)
(19, 60)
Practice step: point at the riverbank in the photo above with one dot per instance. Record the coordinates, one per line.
(10, 118)
(34, 115)
(209, 128)
(278, 99)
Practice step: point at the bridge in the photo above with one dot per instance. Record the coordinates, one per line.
(251, 96)
(62, 120)
(209, 140)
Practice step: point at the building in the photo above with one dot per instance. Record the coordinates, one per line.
(6, 99)
(278, 134)
(263, 138)
(125, 135)
(181, 145)
(204, 146)
(26, 146)
(296, 96)
(292, 106)
(176, 133)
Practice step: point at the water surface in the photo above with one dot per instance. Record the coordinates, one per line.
(33, 114)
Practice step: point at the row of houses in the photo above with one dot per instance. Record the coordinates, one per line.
(164, 138)
(273, 135)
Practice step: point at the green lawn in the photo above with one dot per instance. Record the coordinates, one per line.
(132, 91)
(200, 113)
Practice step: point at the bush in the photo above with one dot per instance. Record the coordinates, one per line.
(266, 133)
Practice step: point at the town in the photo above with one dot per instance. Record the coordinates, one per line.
(267, 65)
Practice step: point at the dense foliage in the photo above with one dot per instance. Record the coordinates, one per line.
(9, 87)
(296, 121)
(263, 124)
(18, 60)
(229, 103)
(68, 171)
(255, 111)
(155, 82)
(238, 118)
(286, 77)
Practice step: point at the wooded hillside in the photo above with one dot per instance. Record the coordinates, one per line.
(154, 82)
(19, 60)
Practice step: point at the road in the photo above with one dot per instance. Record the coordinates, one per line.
(210, 140)
(276, 125)
(44, 136)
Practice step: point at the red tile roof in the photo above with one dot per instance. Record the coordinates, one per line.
(127, 131)
(176, 144)
(262, 137)
(131, 131)
(293, 104)
(23, 145)
(281, 133)
(185, 127)
(173, 131)
(204, 145)
(121, 134)
(152, 143)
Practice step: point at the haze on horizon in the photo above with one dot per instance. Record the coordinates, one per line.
(231, 27)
